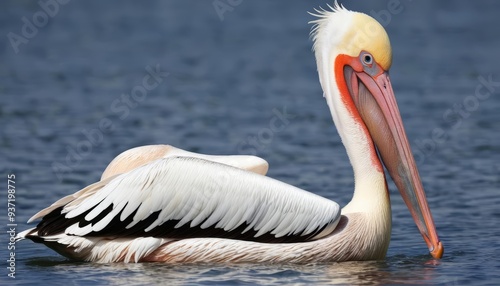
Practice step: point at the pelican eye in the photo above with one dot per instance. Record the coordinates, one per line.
(367, 59)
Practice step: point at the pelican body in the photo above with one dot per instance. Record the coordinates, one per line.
(160, 203)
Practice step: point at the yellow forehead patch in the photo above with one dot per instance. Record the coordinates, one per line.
(366, 34)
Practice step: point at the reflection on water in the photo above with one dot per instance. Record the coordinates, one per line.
(410, 270)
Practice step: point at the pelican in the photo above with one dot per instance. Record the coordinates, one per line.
(163, 204)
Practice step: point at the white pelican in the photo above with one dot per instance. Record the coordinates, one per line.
(159, 203)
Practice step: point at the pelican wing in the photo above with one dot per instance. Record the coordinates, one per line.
(143, 155)
(183, 197)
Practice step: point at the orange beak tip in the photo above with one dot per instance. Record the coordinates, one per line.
(438, 251)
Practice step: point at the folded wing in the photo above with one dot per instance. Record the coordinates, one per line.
(185, 197)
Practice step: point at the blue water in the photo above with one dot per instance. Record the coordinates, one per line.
(228, 75)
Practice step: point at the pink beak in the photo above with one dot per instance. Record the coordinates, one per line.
(376, 103)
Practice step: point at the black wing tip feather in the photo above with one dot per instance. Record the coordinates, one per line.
(56, 223)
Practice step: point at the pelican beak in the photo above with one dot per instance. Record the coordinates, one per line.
(375, 101)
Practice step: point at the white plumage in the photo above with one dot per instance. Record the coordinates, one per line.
(191, 191)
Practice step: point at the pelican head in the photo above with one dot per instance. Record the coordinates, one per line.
(353, 54)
